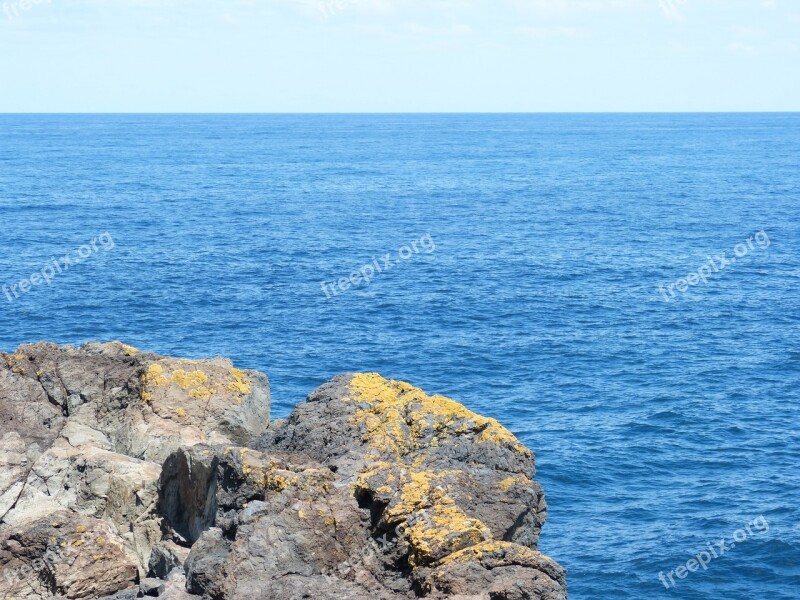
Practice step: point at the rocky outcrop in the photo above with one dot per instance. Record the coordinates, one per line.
(127, 474)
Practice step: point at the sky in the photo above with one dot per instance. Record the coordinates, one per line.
(399, 55)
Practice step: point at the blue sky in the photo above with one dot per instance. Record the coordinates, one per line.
(399, 55)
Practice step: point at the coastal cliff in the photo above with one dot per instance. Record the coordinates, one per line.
(125, 474)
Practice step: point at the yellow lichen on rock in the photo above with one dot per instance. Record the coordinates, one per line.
(16, 357)
(181, 412)
(277, 478)
(442, 530)
(412, 495)
(126, 348)
(435, 525)
(507, 484)
(404, 429)
(186, 380)
(155, 375)
(199, 384)
(241, 383)
(12, 361)
(512, 553)
(397, 416)
(202, 393)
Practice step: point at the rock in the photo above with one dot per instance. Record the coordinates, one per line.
(129, 594)
(188, 492)
(151, 586)
(65, 555)
(87, 430)
(394, 439)
(373, 489)
(175, 587)
(165, 557)
(498, 569)
(370, 489)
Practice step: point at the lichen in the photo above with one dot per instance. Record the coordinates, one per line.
(155, 375)
(241, 383)
(442, 530)
(399, 418)
(181, 412)
(277, 478)
(509, 552)
(126, 348)
(12, 361)
(435, 525)
(506, 484)
(186, 380)
(129, 350)
(202, 393)
(198, 383)
(16, 357)
(401, 423)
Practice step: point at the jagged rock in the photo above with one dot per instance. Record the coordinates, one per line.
(501, 570)
(370, 489)
(152, 587)
(188, 492)
(129, 594)
(165, 557)
(175, 587)
(64, 555)
(87, 430)
(395, 440)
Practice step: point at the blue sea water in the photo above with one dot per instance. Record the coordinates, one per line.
(659, 426)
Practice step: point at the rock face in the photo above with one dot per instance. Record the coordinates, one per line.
(125, 474)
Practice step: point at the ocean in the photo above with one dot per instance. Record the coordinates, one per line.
(571, 275)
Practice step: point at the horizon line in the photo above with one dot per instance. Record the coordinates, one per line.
(355, 113)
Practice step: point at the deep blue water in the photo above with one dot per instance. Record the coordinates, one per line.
(659, 427)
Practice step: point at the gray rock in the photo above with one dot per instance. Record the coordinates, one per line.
(188, 492)
(86, 430)
(65, 555)
(368, 490)
(125, 474)
(130, 594)
(165, 557)
(152, 587)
